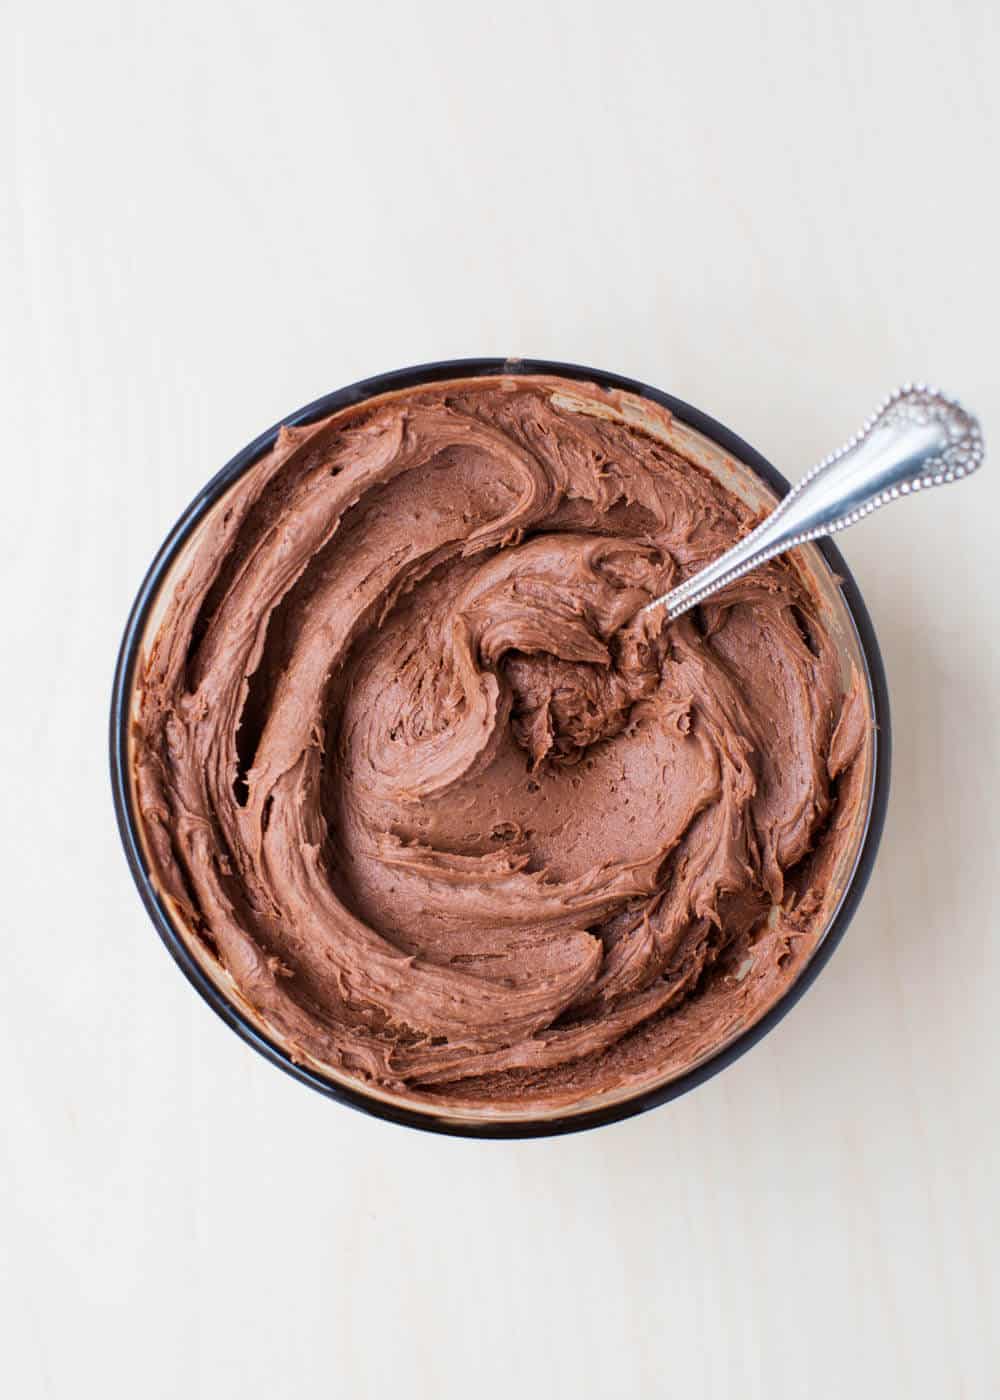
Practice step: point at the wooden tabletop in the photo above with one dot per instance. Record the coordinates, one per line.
(221, 211)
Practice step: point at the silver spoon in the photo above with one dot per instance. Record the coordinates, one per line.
(918, 438)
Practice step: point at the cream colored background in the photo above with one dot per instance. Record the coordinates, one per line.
(221, 211)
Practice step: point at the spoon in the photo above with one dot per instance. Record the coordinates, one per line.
(918, 438)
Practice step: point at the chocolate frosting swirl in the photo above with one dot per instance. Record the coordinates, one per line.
(444, 817)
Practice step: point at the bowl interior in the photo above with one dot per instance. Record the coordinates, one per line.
(697, 446)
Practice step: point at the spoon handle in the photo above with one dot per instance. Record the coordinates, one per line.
(918, 438)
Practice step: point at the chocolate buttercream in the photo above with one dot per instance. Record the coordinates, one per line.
(442, 813)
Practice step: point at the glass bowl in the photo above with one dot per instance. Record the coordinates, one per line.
(744, 472)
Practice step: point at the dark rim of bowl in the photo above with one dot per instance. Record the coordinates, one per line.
(234, 1018)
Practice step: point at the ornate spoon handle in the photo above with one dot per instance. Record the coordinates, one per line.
(917, 439)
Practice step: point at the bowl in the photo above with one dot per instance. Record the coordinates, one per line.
(742, 470)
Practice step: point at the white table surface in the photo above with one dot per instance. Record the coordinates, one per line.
(221, 211)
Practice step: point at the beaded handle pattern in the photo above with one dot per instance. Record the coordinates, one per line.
(916, 439)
